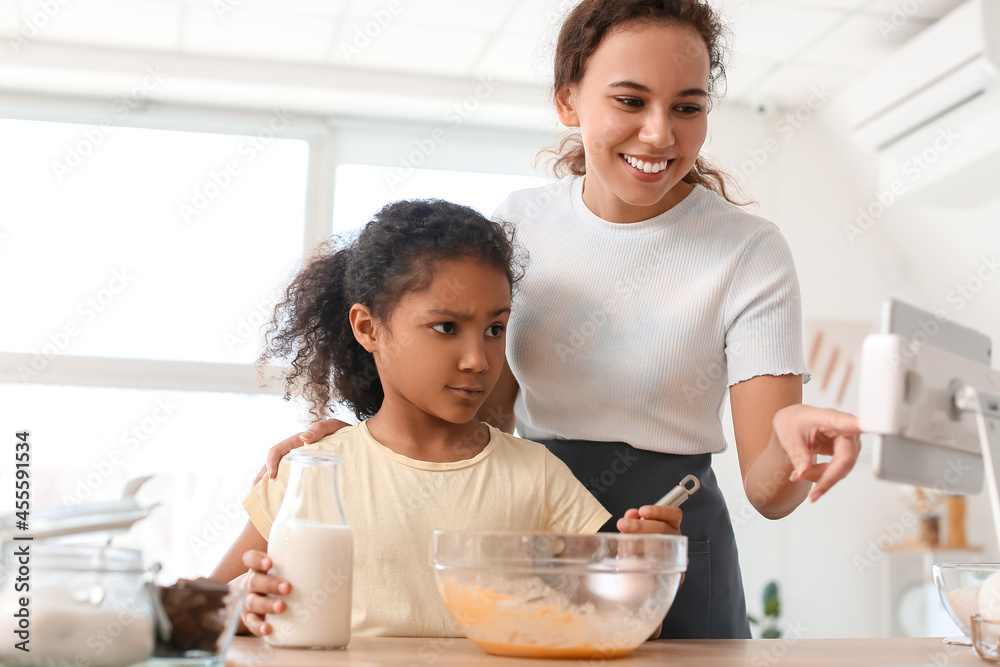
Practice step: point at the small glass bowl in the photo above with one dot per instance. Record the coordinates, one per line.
(220, 623)
(958, 586)
(985, 633)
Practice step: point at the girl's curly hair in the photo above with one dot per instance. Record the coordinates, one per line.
(393, 255)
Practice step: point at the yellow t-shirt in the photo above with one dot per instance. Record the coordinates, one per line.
(393, 503)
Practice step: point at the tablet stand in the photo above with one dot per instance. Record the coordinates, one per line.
(985, 406)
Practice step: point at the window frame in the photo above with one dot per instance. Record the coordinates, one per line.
(332, 141)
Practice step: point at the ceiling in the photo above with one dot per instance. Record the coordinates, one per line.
(784, 48)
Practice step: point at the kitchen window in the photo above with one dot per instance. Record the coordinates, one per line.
(138, 265)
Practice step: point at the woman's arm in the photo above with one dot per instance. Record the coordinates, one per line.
(498, 409)
(765, 466)
(778, 438)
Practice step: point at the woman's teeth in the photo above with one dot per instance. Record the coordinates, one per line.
(648, 167)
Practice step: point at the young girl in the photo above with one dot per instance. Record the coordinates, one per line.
(649, 294)
(407, 326)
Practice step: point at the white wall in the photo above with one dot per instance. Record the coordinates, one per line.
(811, 182)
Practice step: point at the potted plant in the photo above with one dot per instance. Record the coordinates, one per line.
(772, 610)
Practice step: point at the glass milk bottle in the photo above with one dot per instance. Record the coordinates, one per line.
(311, 546)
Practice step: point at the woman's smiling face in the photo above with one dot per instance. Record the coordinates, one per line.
(642, 110)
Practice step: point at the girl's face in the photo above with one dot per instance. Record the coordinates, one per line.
(642, 110)
(444, 347)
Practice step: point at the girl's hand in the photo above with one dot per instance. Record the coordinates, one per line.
(317, 431)
(652, 519)
(657, 519)
(261, 587)
(804, 431)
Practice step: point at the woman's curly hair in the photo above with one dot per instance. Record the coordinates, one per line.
(393, 255)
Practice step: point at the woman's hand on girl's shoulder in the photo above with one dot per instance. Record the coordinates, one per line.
(317, 431)
(652, 519)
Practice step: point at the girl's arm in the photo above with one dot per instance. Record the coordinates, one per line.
(773, 429)
(498, 409)
(247, 563)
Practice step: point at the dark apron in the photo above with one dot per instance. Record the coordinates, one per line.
(710, 603)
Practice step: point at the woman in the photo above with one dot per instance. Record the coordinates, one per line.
(648, 293)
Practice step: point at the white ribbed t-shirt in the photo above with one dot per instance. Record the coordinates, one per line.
(633, 332)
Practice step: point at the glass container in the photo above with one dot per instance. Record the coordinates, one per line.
(312, 547)
(75, 605)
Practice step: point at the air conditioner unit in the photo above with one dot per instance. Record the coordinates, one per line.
(943, 69)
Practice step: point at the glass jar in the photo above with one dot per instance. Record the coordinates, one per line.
(311, 546)
(85, 606)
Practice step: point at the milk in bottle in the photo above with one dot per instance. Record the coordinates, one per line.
(311, 546)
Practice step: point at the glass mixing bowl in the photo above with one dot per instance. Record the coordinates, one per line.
(558, 596)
